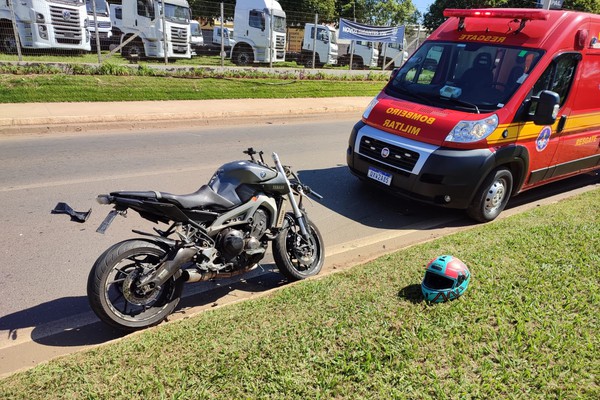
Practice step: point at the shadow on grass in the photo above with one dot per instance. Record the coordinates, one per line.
(411, 293)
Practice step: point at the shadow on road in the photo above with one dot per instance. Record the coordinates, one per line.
(346, 195)
(59, 322)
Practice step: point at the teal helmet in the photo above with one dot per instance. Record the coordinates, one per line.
(446, 278)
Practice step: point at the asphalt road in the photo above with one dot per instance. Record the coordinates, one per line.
(46, 258)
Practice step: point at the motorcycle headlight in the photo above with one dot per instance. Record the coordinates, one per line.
(472, 131)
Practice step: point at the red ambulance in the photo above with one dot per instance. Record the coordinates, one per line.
(495, 102)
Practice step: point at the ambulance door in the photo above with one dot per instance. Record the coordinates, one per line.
(545, 149)
(579, 146)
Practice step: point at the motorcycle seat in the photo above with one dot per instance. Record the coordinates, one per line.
(203, 198)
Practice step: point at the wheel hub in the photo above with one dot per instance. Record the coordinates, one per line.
(135, 294)
(495, 196)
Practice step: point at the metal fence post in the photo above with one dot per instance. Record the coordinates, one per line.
(314, 55)
(222, 37)
(15, 31)
(164, 26)
(96, 33)
(271, 41)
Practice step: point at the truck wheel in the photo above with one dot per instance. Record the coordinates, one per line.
(492, 196)
(133, 51)
(8, 44)
(243, 57)
(357, 63)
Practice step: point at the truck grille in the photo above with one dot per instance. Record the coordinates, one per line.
(396, 156)
(101, 24)
(66, 24)
(179, 38)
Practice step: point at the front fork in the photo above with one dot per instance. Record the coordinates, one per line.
(297, 212)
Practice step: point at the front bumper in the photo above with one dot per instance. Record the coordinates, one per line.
(435, 175)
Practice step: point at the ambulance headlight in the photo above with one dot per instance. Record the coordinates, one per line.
(472, 131)
(370, 108)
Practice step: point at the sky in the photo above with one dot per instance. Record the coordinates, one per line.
(422, 5)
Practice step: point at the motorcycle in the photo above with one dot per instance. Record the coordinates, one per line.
(219, 231)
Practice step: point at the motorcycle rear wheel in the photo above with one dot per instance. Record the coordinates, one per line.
(296, 258)
(113, 287)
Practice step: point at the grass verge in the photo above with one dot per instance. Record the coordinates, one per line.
(75, 83)
(527, 327)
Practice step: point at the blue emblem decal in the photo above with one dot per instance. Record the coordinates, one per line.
(543, 138)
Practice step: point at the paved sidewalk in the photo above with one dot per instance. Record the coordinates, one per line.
(45, 117)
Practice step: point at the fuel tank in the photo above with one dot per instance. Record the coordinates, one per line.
(238, 181)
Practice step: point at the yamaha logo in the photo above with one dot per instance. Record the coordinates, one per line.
(66, 14)
(385, 152)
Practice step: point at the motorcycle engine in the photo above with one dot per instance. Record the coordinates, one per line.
(244, 247)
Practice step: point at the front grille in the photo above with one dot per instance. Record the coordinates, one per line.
(280, 43)
(179, 35)
(101, 24)
(397, 157)
(66, 24)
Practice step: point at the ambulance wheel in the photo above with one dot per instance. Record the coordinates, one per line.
(491, 198)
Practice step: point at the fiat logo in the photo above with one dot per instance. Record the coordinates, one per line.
(385, 152)
(66, 15)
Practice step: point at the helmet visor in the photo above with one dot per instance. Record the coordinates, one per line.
(437, 282)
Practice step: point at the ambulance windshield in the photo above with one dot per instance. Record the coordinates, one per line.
(473, 77)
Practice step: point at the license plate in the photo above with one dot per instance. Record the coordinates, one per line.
(107, 221)
(380, 176)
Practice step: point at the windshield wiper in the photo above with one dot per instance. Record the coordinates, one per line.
(403, 90)
(462, 102)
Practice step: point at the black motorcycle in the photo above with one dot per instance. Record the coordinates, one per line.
(221, 230)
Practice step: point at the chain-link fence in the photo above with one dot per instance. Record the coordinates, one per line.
(215, 34)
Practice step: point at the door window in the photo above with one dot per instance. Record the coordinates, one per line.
(558, 77)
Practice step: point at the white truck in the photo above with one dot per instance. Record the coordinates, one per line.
(141, 21)
(196, 38)
(365, 55)
(211, 43)
(44, 24)
(393, 54)
(259, 32)
(324, 47)
(100, 23)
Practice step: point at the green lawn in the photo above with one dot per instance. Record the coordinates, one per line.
(113, 82)
(526, 328)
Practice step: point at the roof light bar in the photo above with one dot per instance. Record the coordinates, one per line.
(522, 14)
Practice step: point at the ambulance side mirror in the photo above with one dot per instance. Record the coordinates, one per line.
(548, 104)
(394, 73)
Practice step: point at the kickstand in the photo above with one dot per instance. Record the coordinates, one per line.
(64, 208)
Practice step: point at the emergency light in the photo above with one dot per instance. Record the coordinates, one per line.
(515, 14)
(494, 13)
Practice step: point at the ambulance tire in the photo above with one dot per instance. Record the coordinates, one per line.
(493, 195)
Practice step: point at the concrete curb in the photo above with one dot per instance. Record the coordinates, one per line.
(44, 117)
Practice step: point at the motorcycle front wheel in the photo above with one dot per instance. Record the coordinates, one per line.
(296, 257)
(114, 292)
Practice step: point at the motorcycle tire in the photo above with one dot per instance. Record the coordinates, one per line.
(295, 258)
(112, 288)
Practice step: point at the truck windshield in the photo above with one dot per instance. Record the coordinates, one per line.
(101, 7)
(278, 23)
(475, 77)
(176, 13)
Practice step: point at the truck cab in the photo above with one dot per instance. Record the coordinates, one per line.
(196, 38)
(493, 103)
(142, 19)
(393, 55)
(100, 22)
(260, 32)
(43, 24)
(365, 55)
(324, 45)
